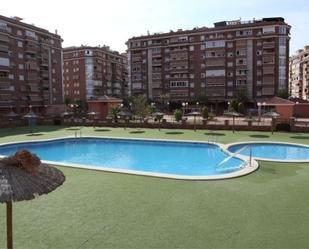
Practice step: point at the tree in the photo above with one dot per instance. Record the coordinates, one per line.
(201, 99)
(114, 112)
(205, 113)
(241, 108)
(233, 105)
(82, 106)
(283, 94)
(141, 107)
(241, 95)
(178, 115)
(67, 101)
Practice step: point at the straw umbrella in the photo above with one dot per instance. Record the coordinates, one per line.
(30, 116)
(93, 116)
(11, 115)
(273, 115)
(159, 116)
(23, 177)
(194, 114)
(125, 115)
(233, 114)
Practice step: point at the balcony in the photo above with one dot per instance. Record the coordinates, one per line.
(268, 44)
(4, 48)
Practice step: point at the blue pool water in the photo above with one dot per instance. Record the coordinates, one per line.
(190, 159)
(273, 151)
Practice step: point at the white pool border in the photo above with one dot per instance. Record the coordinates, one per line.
(242, 172)
(227, 146)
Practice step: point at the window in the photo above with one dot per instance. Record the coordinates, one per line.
(202, 38)
(215, 44)
(269, 29)
(230, 93)
(20, 44)
(30, 34)
(230, 44)
(156, 50)
(4, 62)
(230, 64)
(215, 73)
(21, 77)
(282, 30)
(20, 56)
(20, 66)
(191, 48)
(19, 33)
(282, 41)
(178, 84)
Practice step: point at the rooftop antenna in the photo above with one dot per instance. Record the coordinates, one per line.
(148, 33)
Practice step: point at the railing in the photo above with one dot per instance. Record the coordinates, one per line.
(243, 165)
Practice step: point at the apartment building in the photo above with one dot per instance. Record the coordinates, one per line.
(30, 66)
(299, 74)
(91, 72)
(249, 56)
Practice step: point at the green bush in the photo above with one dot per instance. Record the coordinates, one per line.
(241, 108)
(205, 113)
(211, 116)
(178, 115)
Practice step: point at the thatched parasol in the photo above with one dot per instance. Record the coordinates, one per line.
(23, 177)
(194, 114)
(233, 114)
(159, 116)
(273, 115)
(31, 117)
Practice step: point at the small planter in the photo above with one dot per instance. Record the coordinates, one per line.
(164, 121)
(205, 121)
(226, 122)
(249, 123)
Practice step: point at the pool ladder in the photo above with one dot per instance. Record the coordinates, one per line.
(212, 139)
(78, 133)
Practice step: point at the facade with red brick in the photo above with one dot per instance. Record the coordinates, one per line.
(299, 74)
(92, 72)
(219, 62)
(30, 66)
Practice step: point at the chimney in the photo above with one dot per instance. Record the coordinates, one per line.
(56, 31)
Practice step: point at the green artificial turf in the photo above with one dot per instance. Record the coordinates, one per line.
(266, 209)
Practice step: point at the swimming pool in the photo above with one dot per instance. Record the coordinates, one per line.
(147, 157)
(273, 151)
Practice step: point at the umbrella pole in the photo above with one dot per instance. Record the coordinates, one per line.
(233, 124)
(9, 225)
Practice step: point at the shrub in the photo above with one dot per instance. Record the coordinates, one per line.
(178, 115)
(241, 108)
(205, 113)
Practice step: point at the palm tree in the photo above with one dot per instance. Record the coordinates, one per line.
(114, 111)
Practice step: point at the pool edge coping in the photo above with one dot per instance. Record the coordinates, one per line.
(226, 146)
(242, 172)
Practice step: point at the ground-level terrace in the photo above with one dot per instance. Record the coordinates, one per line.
(266, 209)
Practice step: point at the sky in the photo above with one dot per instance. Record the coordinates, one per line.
(113, 22)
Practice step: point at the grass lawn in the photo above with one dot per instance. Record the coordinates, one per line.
(266, 209)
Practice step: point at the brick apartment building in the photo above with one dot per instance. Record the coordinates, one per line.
(92, 72)
(30, 66)
(299, 74)
(216, 62)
